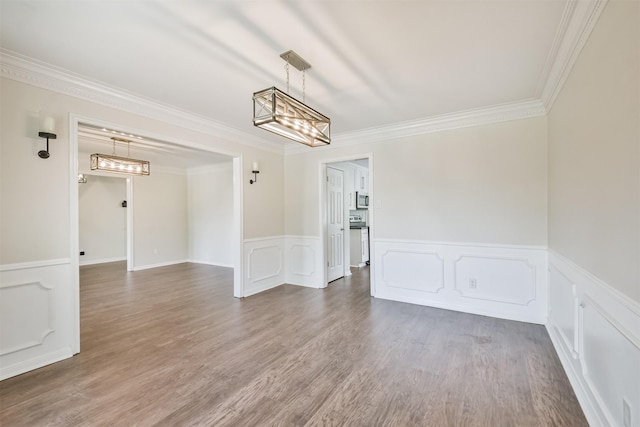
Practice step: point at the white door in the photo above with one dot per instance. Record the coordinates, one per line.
(335, 224)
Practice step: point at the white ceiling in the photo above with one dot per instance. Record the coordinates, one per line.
(374, 63)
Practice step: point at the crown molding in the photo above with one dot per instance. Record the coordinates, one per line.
(26, 70)
(578, 21)
(481, 116)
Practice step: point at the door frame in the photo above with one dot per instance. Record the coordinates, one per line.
(322, 173)
(74, 232)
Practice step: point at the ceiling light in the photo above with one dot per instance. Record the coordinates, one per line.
(113, 163)
(280, 113)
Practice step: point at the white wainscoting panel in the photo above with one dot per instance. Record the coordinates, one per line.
(413, 270)
(507, 282)
(602, 361)
(35, 315)
(264, 264)
(304, 261)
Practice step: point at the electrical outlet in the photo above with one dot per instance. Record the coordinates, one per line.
(81, 252)
(626, 413)
(473, 283)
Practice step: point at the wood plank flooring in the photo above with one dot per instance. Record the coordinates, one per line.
(172, 347)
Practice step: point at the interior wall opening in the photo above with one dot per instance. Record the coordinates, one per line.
(347, 218)
(187, 210)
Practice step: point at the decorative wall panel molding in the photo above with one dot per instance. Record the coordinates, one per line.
(494, 280)
(34, 264)
(304, 261)
(37, 322)
(602, 361)
(499, 279)
(413, 270)
(264, 264)
(563, 306)
(35, 315)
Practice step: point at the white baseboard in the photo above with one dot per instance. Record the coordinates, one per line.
(34, 363)
(215, 264)
(596, 332)
(101, 261)
(161, 264)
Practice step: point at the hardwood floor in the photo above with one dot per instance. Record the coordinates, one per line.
(171, 346)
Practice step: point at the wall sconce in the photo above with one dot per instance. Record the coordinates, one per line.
(255, 172)
(48, 126)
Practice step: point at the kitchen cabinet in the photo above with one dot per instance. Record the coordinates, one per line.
(361, 179)
(359, 250)
(350, 189)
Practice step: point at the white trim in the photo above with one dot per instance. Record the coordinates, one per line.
(102, 261)
(293, 236)
(261, 288)
(74, 232)
(599, 402)
(587, 405)
(238, 227)
(262, 239)
(215, 264)
(475, 245)
(34, 363)
(621, 298)
(37, 73)
(462, 119)
(578, 21)
(161, 264)
(34, 264)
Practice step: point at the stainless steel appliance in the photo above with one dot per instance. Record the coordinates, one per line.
(362, 200)
(356, 221)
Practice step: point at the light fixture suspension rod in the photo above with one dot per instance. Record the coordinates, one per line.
(286, 67)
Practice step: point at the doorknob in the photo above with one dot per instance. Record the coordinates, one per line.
(342, 229)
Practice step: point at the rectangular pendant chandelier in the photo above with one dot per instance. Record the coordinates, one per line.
(111, 163)
(277, 112)
(282, 114)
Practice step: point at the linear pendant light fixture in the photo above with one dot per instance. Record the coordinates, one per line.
(113, 163)
(280, 113)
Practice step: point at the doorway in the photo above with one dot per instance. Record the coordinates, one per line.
(104, 216)
(159, 144)
(347, 226)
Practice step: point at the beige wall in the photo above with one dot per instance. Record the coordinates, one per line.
(594, 154)
(210, 194)
(485, 184)
(160, 219)
(34, 216)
